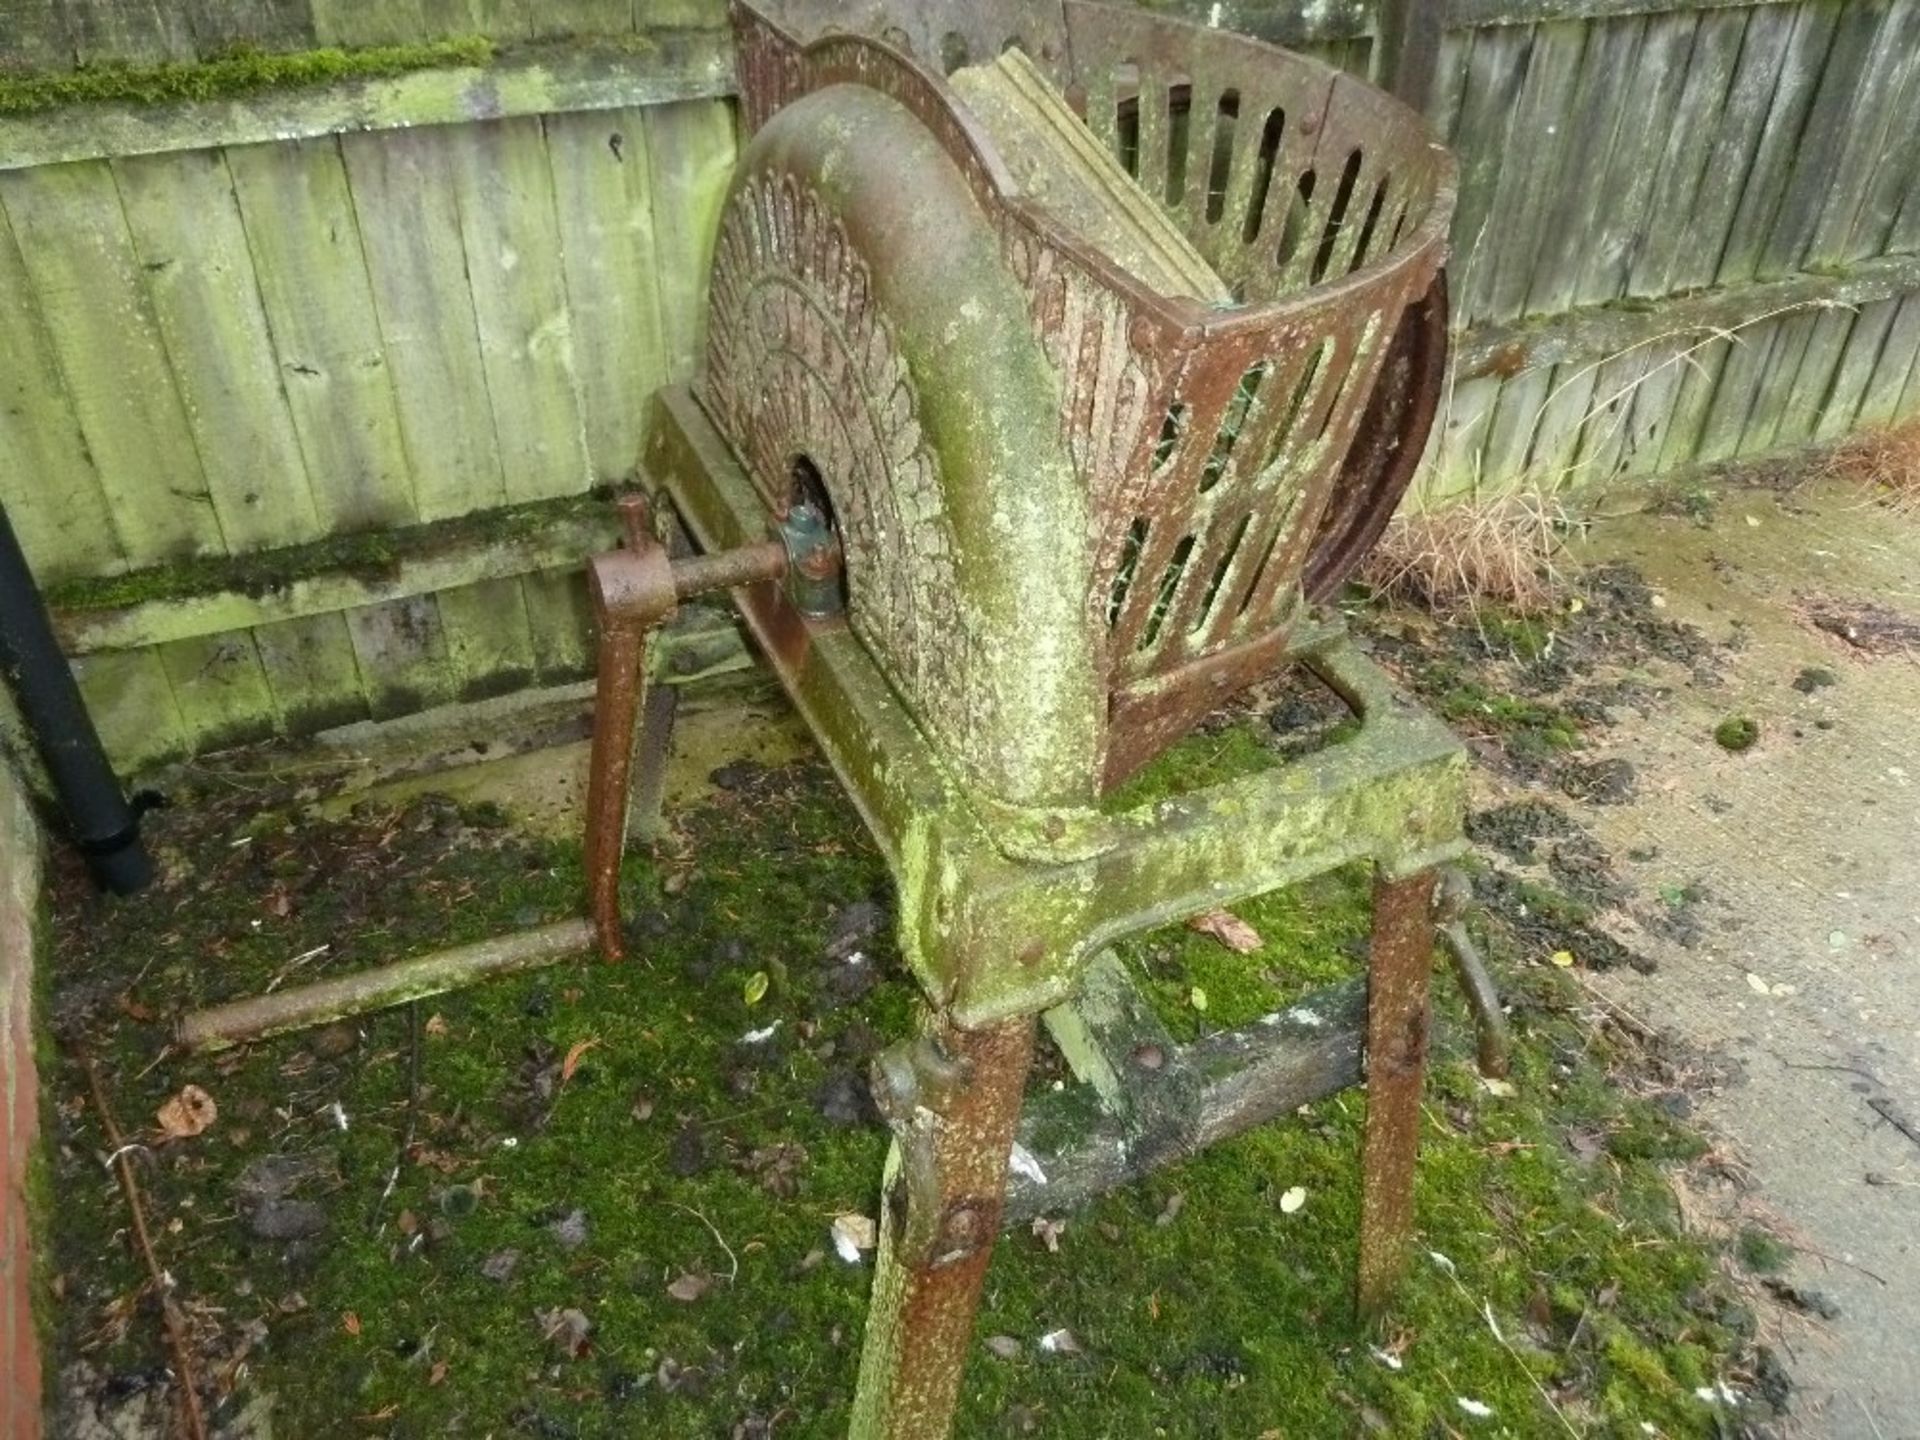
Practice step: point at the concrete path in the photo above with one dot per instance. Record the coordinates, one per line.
(1807, 975)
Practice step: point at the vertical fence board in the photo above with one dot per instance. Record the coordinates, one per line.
(128, 695)
(504, 191)
(1822, 142)
(691, 148)
(1626, 188)
(1880, 401)
(191, 244)
(1689, 137)
(311, 671)
(219, 688)
(1462, 440)
(325, 336)
(1749, 357)
(369, 22)
(603, 189)
(1513, 427)
(1449, 82)
(1756, 78)
(136, 32)
(73, 239)
(1603, 444)
(1856, 368)
(410, 228)
(1777, 152)
(401, 650)
(1591, 122)
(1692, 400)
(1799, 408)
(1878, 88)
(225, 26)
(1495, 67)
(47, 479)
(1530, 170)
(560, 621)
(1644, 436)
(1897, 175)
(489, 642)
(1790, 346)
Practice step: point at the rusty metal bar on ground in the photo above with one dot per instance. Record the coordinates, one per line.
(261, 1016)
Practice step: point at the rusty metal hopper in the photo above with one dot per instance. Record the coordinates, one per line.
(1234, 459)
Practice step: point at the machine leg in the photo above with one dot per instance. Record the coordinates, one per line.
(1399, 978)
(952, 1099)
(618, 696)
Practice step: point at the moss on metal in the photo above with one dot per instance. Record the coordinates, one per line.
(244, 72)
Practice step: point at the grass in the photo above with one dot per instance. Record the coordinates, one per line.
(1883, 461)
(1500, 550)
(1553, 1284)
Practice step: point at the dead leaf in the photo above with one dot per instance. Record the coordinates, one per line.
(642, 1109)
(350, 1323)
(1061, 1342)
(574, 1052)
(436, 1024)
(187, 1114)
(1005, 1346)
(690, 1287)
(438, 1374)
(1170, 1212)
(1049, 1232)
(407, 1223)
(133, 1009)
(1229, 929)
(567, 1329)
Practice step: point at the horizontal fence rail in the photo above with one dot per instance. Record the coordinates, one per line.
(322, 374)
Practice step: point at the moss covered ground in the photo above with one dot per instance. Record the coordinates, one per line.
(584, 1202)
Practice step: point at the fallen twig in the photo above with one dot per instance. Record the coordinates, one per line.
(1890, 1112)
(119, 1161)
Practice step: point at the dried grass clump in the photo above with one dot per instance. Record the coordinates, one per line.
(1884, 461)
(1472, 553)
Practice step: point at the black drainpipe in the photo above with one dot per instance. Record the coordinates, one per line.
(104, 827)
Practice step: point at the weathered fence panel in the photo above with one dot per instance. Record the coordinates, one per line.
(376, 319)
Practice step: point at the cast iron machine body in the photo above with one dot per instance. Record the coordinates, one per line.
(1008, 519)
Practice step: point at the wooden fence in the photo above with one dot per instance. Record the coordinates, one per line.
(402, 320)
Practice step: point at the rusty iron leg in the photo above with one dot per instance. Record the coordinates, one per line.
(632, 592)
(1399, 976)
(952, 1099)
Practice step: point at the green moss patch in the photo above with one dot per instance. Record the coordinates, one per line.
(372, 555)
(229, 76)
(586, 1202)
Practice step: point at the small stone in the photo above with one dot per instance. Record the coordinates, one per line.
(1879, 1177)
(287, 1219)
(844, 1099)
(1005, 1346)
(1814, 677)
(570, 1230)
